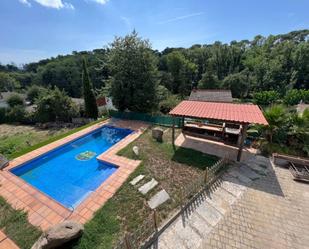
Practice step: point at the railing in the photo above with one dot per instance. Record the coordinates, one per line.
(155, 119)
(147, 234)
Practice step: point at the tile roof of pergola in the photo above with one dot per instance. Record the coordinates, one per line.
(229, 112)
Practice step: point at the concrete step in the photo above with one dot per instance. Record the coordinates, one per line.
(225, 196)
(186, 233)
(216, 201)
(248, 172)
(233, 185)
(241, 177)
(200, 225)
(209, 213)
(257, 168)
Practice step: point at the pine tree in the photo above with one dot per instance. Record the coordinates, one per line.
(91, 108)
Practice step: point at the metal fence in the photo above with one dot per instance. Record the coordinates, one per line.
(155, 119)
(148, 232)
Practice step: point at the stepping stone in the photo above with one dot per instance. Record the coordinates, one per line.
(158, 199)
(148, 186)
(136, 180)
(245, 170)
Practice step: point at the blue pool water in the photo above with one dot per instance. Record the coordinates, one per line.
(71, 172)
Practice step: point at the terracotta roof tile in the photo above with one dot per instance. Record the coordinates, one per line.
(242, 113)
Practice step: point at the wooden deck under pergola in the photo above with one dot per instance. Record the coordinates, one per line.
(234, 117)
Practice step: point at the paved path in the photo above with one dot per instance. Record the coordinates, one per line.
(246, 212)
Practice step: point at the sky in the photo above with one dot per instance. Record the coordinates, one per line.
(36, 29)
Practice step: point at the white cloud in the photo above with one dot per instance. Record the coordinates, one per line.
(181, 18)
(25, 2)
(100, 1)
(55, 4)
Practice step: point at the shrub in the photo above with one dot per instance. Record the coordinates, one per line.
(16, 113)
(33, 93)
(15, 100)
(55, 105)
(169, 103)
(294, 97)
(266, 97)
(3, 115)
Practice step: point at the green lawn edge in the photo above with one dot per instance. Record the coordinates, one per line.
(53, 139)
(15, 225)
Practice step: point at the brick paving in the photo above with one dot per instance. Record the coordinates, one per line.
(6, 243)
(273, 213)
(42, 210)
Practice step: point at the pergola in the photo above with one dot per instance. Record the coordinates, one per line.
(239, 114)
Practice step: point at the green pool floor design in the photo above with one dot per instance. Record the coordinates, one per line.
(86, 155)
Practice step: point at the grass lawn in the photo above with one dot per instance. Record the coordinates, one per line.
(128, 209)
(17, 140)
(15, 225)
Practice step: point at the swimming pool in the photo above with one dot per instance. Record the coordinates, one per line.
(71, 172)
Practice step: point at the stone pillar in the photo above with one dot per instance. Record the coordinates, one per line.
(243, 135)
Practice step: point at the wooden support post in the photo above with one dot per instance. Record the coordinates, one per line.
(206, 175)
(127, 242)
(155, 219)
(173, 133)
(242, 140)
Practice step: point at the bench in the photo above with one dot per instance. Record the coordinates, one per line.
(291, 159)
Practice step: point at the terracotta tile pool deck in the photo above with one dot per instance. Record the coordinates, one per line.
(44, 211)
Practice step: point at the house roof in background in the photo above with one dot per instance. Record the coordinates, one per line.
(211, 95)
(239, 113)
(5, 95)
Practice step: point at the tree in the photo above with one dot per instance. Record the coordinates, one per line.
(33, 92)
(91, 108)
(133, 68)
(238, 83)
(266, 97)
(182, 71)
(209, 81)
(15, 100)
(54, 105)
(7, 83)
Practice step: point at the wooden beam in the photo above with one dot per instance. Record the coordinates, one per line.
(242, 140)
(173, 133)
